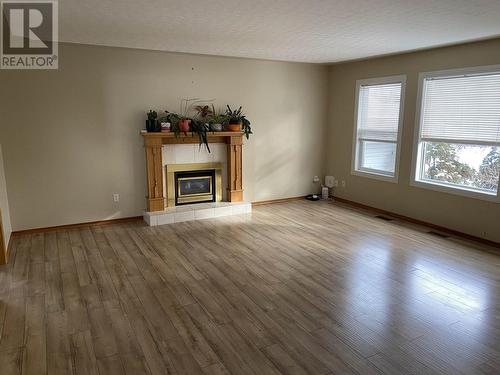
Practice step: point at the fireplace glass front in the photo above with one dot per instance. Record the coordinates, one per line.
(194, 187)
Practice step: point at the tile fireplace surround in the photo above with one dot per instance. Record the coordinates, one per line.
(178, 153)
(196, 212)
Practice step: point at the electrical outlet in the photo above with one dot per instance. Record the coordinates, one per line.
(343, 183)
(336, 183)
(315, 179)
(116, 197)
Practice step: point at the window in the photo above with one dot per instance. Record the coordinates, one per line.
(458, 138)
(379, 108)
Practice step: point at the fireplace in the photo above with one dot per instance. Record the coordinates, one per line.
(194, 187)
(193, 183)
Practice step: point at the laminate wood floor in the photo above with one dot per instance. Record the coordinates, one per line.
(295, 288)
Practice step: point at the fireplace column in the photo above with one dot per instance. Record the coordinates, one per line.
(153, 145)
(234, 168)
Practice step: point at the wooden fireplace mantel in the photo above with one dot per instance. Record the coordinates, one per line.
(153, 143)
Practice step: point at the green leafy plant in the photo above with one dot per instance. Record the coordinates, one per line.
(210, 115)
(204, 111)
(173, 118)
(203, 117)
(152, 124)
(200, 128)
(237, 117)
(197, 126)
(165, 117)
(188, 105)
(152, 115)
(217, 119)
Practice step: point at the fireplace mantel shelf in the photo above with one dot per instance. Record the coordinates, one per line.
(189, 134)
(153, 142)
(171, 138)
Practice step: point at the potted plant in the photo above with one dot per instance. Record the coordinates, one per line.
(184, 124)
(215, 122)
(152, 124)
(210, 117)
(204, 111)
(165, 122)
(197, 125)
(184, 120)
(236, 121)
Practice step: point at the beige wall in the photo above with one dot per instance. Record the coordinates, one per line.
(472, 216)
(71, 137)
(4, 204)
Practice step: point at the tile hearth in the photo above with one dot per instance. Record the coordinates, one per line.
(196, 212)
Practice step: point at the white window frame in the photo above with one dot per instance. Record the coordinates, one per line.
(417, 144)
(365, 172)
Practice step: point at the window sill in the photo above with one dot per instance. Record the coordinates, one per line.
(461, 191)
(376, 176)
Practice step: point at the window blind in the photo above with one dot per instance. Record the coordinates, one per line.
(379, 156)
(379, 112)
(462, 109)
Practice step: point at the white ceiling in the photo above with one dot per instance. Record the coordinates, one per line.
(295, 30)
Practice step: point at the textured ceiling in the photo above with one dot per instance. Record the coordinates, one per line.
(294, 30)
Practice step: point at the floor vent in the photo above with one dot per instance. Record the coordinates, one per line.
(437, 234)
(383, 218)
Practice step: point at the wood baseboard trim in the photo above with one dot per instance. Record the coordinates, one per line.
(77, 225)
(5, 259)
(9, 247)
(449, 231)
(273, 201)
(4, 251)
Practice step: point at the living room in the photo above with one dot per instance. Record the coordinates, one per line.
(249, 187)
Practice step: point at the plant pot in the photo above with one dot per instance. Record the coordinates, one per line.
(165, 126)
(152, 126)
(233, 127)
(184, 125)
(216, 127)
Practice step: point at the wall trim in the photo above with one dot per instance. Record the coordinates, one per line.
(280, 200)
(77, 225)
(3, 249)
(9, 248)
(126, 219)
(452, 232)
